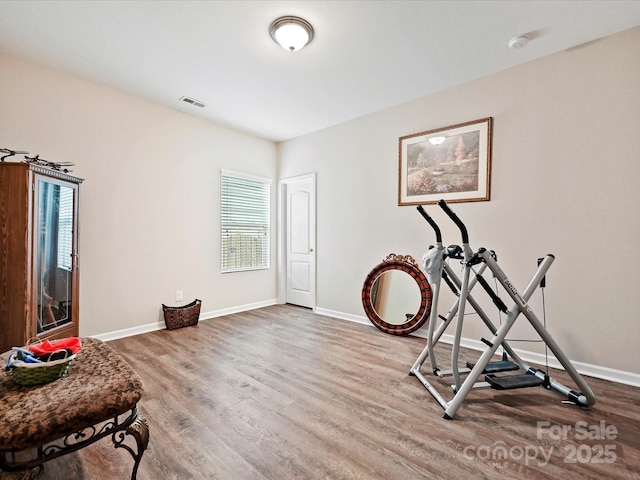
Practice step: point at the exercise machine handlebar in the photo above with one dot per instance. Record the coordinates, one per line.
(431, 222)
(463, 230)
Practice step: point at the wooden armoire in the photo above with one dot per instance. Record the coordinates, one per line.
(38, 254)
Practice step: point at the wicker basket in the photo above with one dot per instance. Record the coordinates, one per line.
(185, 316)
(39, 373)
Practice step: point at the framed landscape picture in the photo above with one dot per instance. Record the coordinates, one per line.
(450, 163)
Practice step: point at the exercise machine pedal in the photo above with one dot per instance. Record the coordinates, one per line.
(511, 382)
(497, 366)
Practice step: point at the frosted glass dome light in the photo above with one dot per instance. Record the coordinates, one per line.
(291, 33)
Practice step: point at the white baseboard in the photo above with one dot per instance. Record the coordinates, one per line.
(238, 309)
(343, 316)
(597, 371)
(150, 327)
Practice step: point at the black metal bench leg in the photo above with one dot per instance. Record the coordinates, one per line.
(139, 430)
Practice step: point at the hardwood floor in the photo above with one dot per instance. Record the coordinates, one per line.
(281, 393)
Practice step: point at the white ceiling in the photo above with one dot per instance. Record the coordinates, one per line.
(366, 55)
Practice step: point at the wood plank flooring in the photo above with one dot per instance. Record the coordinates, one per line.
(281, 393)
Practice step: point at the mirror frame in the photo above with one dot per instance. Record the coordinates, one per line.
(405, 263)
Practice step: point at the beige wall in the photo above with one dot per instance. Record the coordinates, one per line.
(565, 169)
(564, 181)
(149, 213)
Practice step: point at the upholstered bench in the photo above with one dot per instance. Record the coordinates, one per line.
(97, 398)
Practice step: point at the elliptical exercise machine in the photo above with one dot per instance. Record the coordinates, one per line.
(436, 264)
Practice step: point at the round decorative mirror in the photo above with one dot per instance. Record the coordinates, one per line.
(396, 295)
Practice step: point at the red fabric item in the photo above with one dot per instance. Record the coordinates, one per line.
(72, 344)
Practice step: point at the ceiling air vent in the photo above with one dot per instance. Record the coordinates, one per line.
(192, 101)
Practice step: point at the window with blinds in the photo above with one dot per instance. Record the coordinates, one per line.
(65, 228)
(244, 222)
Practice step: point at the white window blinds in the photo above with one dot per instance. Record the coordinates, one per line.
(244, 222)
(65, 227)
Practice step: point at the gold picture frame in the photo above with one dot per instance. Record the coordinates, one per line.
(450, 163)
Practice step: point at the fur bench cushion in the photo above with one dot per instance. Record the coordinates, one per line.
(100, 385)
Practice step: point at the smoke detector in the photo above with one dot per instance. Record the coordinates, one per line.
(519, 42)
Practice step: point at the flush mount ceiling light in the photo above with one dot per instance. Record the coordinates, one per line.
(291, 33)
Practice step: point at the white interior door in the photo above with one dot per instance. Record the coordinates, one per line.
(300, 237)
